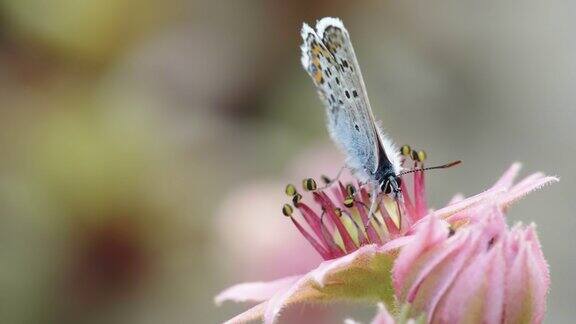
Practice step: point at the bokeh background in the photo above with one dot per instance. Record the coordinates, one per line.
(145, 145)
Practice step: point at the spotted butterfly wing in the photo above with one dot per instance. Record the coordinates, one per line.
(328, 57)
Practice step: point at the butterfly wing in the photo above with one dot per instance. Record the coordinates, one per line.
(328, 57)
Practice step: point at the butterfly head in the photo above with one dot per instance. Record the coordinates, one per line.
(391, 184)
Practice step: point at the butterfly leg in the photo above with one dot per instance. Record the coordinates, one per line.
(374, 202)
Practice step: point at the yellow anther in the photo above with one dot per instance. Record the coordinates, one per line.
(406, 150)
(421, 156)
(309, 184)
(290, 190)
(349, 202)
(287, 210)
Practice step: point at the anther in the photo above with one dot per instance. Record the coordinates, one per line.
(406, 150)
(296, 199)
(349, 202)
(287, 210)
(414, 154)
(338, 212)
(350, 190)
(309, 184)
(421, 156)
(290, 190)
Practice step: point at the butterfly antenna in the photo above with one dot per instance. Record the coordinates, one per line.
(443, 166)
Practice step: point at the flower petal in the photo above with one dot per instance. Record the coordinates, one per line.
(477, 295)
(250, 315)
(255, 291)
(456, 199)
(527, 279)
(508, 177)
(426, 270)
(453, 209)
(525, 187)
(301, 291)
(432, 232)
(361, 275)
(441, 266)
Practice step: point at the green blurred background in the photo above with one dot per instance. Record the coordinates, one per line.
(145, 144)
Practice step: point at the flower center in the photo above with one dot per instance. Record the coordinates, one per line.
(335, 218)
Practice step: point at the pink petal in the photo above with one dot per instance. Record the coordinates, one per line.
(508, 177)
(250, 315)
(456, 199)
(331, 273)
(540, 272)
(321, 273)
(452, 209)
(529, 179)
(433, 232)
(439, 271)
(297, 292)
(255, 291)
(528, 282)
(477, 295)
(396, 243)
(525, 187)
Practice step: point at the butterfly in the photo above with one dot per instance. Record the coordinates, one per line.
(329, 58)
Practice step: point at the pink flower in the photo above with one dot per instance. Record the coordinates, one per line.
(482, 272)
(358, 261)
